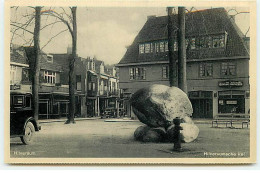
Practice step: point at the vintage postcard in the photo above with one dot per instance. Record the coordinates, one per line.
(127, 82)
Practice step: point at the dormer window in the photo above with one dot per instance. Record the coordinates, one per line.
(141, 48)
(147, 47)
(50, 58)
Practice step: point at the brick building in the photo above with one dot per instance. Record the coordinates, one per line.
(217, 62)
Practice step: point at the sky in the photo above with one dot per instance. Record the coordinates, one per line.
(103, 32)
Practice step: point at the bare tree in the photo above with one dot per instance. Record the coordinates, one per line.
(71, 24)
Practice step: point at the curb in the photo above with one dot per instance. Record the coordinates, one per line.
(63, 120)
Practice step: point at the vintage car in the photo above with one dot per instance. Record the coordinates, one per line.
(22, 123)
(109, 112)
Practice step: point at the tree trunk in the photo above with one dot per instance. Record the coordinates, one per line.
(36, 68)
(172, 64)
(182, 79)
(71, 69)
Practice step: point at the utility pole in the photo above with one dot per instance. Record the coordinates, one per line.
(182, 79)
(172, 65)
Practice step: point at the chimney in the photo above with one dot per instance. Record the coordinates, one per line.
(170, 10)
(151, 17)
(69, 50)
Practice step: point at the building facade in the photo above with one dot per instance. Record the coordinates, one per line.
(96, 87)
(217, 62)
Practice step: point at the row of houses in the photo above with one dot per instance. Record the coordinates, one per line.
(217, 62)
(96, 89)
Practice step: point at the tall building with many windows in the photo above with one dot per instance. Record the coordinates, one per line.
(217, 62)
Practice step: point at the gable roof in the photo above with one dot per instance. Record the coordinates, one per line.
(44, 64)
(204, 22)
(18, 55)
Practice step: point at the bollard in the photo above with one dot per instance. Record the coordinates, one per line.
(177, 135)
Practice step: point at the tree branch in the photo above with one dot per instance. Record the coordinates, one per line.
(53, 38)
(55, 14)
(21, 27)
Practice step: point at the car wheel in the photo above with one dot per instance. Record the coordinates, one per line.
(29, 133)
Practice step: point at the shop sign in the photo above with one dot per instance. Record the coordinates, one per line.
(231, 102)
(230, 84)
(15, 87)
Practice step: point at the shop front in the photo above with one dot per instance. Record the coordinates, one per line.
(91, 106)
(233, 99)
(202, 104)
(233, 102)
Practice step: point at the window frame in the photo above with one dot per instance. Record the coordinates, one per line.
(204, 67)
(137, 73)
(165, 72)
(48, 76)
(228, 69)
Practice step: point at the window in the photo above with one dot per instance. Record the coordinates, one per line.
(161, 46)
(89, 86)
(94, 86)
(137, 73)
(151, 47)
(78, 82)
(25, 75)
(157, 47)
(166, 46)
(175, 46)
(202, 42)
(208, 42)
(219, 41)
(192, 45)
(141, 48)
(13, 74)
(206, 69)
(49, 58)
(165, 72)
(228, 69)
(50, 77)
(147, 47)
(28, 101)
(187, 42)
(18, 100)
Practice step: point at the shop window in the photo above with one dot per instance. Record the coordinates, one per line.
(141, 48)
(206, 69)
(231, 102)
(165, 72)
(228, 69)
(194, 94)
